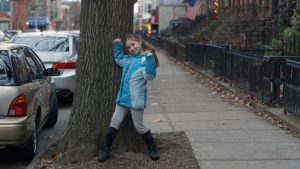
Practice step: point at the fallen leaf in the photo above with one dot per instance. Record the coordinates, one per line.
(259, 114)
(212, 93)
(297, 135)
(154, 104)
(248, 104)
(157, 121)
(48, 161)
(218, 78)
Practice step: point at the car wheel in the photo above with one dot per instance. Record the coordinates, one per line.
(52, 119)
(29, 150)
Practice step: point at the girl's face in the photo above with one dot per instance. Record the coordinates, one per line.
(133, 46)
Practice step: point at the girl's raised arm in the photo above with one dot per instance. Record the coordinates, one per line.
(150, 68)
(118, 52)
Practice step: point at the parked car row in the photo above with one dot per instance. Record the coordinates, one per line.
(35, 69)
(57, 50)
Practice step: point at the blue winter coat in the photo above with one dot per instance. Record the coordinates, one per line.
(137, 69)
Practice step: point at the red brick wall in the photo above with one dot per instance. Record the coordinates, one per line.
(20, 14)
(4, 15)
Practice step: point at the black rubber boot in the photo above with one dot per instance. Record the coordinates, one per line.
(103, 154)
(148, 139)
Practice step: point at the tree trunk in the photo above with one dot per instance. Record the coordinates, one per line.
(98, 81)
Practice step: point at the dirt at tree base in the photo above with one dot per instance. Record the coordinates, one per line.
(174, 148)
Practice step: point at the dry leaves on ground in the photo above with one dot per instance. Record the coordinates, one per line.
(175, 152)
(231, 97)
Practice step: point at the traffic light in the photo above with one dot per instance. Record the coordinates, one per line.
(216, 8)
(148, 29)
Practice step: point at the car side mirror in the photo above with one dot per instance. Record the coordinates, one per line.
(53, 72)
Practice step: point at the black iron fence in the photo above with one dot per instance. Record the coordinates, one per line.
(239, 69)
(270, 78)
(261, 76)
(292, 88)
(274, 71)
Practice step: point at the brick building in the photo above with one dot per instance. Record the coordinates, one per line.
(70, 15)
(20, 14)
(268, 6)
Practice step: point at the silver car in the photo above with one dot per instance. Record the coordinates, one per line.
(28, 100)
(57, 50)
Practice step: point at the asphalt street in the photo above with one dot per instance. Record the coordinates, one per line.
(8, 158)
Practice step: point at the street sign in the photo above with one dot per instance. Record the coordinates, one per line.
(37, 21)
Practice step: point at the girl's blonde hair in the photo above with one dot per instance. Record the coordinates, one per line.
(145, 45)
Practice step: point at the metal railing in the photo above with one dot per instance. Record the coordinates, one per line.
(273, 79)
(261, 76)
(292, 88)
(274, 68)
(241, 70)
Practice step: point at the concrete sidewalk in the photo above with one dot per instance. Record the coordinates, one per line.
(222, 135)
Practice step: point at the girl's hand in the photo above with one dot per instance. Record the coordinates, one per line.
(118, 40)
(149, 53)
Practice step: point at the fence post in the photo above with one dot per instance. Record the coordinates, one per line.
(231, 68)
(282, 48)
(294, 44)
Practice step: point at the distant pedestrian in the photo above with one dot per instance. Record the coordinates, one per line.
(138, 66)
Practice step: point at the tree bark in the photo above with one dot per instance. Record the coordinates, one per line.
(98, 81)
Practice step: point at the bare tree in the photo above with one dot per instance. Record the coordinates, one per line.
(98, 81)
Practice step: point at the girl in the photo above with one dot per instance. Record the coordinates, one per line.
(138, 67)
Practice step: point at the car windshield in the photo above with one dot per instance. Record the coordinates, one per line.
(77, 37)
(10, 34)
(6, 78)
(45, 43)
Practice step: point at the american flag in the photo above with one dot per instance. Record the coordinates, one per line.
(193, 9)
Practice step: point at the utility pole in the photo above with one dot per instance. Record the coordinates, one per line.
(48, 13)
(36, 15)
(68, 18)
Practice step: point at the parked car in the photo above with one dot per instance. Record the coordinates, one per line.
(57, 50)
(28, 99)
(76, 33)
(2, 36)
(31, 30)
(9, 34)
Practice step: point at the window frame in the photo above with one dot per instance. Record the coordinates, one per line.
(37, 63)
(10, 65)
(15, 65)
(35, 74)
